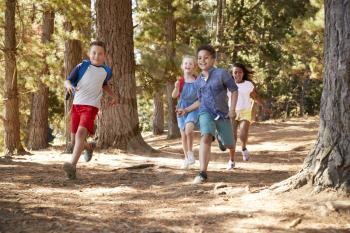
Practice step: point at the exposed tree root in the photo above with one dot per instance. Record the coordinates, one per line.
(137, 144)
(140, 166)
(297, 181)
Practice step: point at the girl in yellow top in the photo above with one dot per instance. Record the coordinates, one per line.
(247, 95)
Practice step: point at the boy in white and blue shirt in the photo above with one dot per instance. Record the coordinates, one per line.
(86, 83)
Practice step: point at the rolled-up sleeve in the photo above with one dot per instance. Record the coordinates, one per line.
(229, 82)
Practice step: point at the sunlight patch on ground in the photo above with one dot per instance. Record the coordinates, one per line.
(274, 146)
(8, 166)
(107, 191)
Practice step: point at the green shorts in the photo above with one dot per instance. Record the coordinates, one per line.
(223, 127)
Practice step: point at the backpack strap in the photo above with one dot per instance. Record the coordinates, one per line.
(82, 69)
(181, 85)
(109, 73)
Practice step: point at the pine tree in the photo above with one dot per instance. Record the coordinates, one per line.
(119, 126)
(11, 116)
(327, 164)
(39, 114)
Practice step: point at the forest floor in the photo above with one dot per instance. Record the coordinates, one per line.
(118, 192)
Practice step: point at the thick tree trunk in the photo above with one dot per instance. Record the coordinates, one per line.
(158, 114)
(11, 105)
(328, 164)
(38, 121)
(73, 53)
(118, 126)
(170, 27)
(39, 113)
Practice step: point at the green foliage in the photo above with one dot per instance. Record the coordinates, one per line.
(150, 39)
(281, 40)
(145, 112)
(32, 54)
(265, 34)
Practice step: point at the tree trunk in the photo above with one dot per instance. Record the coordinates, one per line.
(170, 27)
(73, 53)
(11, 105)
(158, 114)
(237, 43)
(221, 4)
(118, 126)
(328, 163)
(305, 81)
(39, 113)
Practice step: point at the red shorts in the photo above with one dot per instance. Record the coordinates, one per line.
(83, 115)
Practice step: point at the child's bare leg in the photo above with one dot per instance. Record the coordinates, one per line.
(183, 141)
(232, 150)
(204, 151)
(189, 135)
(80, 140)
(243, 133)
(72, 139)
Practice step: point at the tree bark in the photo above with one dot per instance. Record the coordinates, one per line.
(39, 114)
(73, 53)
(237, 44)
(158, 114)
(170, 27)
(118, 126)
(11, 102)
(305, 82)
(328, 163)
(220, 23)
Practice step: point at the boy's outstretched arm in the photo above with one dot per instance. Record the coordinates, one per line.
(69, 87)
(232, 111)
(107, 89)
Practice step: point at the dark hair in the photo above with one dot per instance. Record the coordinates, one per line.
(98, 43)
(208, 48)
(247, 74)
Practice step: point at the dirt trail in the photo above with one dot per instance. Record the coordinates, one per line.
(119, 192)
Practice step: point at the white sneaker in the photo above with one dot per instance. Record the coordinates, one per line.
(230, 165)
(184, 164)
(190, 158)
(245, 155)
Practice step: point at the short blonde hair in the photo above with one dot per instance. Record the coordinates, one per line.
(189, 56)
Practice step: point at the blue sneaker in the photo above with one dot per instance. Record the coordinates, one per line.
(89, 152)
(221, 145)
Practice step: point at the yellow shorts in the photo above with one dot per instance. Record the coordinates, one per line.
(244, 114)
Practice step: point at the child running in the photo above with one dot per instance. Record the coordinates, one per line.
(85, 83)
(214, 113)
(187, 93)
(246, 95)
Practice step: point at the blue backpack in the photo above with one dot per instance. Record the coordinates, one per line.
(83, 67)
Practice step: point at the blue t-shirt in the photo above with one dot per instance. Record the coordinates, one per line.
(212, 93)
